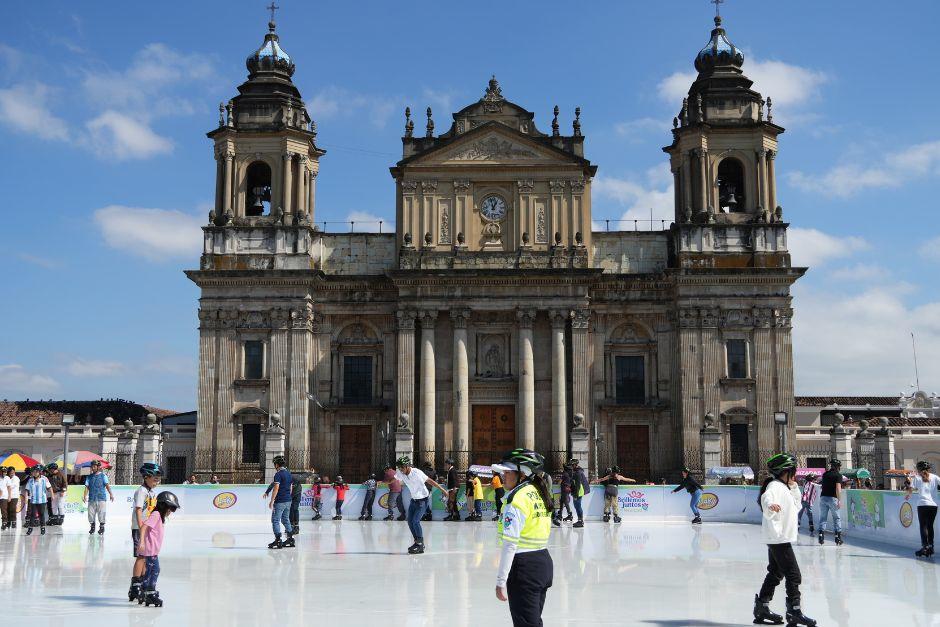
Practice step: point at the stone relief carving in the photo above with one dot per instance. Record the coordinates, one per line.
(428, 186)
(490, 148)
(491, 356)
(409, 187)
(541, 232)
(461, 185)
(526, 185)
(445, 225)
(577, 186)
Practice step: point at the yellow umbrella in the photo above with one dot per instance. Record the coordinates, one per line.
(19, 462)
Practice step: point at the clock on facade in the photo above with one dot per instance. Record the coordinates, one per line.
(493, 208)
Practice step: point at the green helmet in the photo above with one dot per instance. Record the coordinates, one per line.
(526, 461)
(151, 469)
(279, 460)
(780, 462)
(403, 461)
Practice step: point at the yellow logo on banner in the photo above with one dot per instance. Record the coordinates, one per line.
(708, 500)
(383, 501)
(224, 500)
(906, 514)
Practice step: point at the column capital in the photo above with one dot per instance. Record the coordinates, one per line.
(428, 318)
(771, 154)
(460, 318)
(526, 318)
(581, 318)
(406, 319)
(559, 317)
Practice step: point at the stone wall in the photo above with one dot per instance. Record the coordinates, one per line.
(622, 252)
(355, 253)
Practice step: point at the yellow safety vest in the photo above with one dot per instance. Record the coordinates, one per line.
(538, 521)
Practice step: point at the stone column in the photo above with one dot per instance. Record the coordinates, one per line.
(405, 371)
(525, 429)
(150, 442)
(107, 445)
(710, 436)
(428, 382)
(227, 370)
(559, 320)
(580, 441)
(772, 180)
(702, 156)
(687, 182)
(227, 191)
(840, 442)
(461, 387)
(312, 192)
(581, 365)
(884, 455)
(206, 390)
(761, 179)
(302, 182)
(127, 455)
(274, 445)
(287, 190)
(301, 350)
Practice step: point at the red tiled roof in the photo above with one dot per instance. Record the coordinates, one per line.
(858, 401)
(86, 412)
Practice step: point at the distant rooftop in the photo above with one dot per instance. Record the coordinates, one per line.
(847, 401)
(50, 412)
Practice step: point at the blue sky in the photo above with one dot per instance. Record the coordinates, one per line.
(108, 174)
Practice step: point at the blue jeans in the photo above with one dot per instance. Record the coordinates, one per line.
(694, 502)
(416, 510)
(281, 514)
(809, 511)
(478, 507)
(577, 507)
(829, 504)
(151, 573)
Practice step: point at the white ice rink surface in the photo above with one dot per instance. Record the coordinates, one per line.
(356, 573)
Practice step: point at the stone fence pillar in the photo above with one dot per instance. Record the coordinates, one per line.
(405, 438)
(710, 436)
(580, 441)
(108, 443)
(127, 454)
(150, 442)
(884, 455)
(840, 442)
(274, 438)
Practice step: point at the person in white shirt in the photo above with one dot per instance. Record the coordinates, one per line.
(926, 485)
(417, 483)
(12, 484)
(780, 504)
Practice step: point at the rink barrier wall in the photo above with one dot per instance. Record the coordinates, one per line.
(877, 515)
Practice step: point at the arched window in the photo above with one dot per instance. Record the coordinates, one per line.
(258, 189)
(731, 186)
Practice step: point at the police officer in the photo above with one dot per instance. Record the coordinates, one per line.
(525, 566)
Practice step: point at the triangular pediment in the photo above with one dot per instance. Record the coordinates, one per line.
(494, 143)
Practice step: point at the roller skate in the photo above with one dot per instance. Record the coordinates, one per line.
(317, 517)
(617, 518)
(277, 544)
(697, 520)
(289, 542)
(389, 517)
(606, 517)
(556, 522)
(400, 518)
(795, 615)
(929, 550)
(101, 529)
(579, 524)
(416, 549)
(338, 517)
(92, 529)
(763, 615)
(495, 517)
(134, 590)
(29, 530)
(822, 536)
(839, 538)
(921, 552)
(42, 531)
(151, 597)
(368, 517)
(811, 529)
(568, 518)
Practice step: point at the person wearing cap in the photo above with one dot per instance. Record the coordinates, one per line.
(830, 497)
(694, 488)
(38, 493)
(525, 570)
(926, 485)
(417, 483)
(59, 487)
(96, 495)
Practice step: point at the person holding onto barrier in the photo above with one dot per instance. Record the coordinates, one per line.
(926, 485)
(370, 485)
(469, 497)
(145, 499)
(477, 486)
(96, 494)
(453, 484)
(417, 483)
(394, 499)
(830, 498)
(694, 488)
(779, 502)
(498, 493)
(611, 482)
(340, 487)
(810, 492)
(525, 566)
(581, 486)
(151, 541)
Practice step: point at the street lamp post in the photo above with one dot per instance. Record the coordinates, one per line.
(67, 421)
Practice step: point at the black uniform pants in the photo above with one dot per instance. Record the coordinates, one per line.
(295, 513)
(926, 515)
(781, 564)
(498, 494)
(529, 580)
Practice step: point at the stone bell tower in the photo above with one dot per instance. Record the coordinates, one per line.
(265, 147)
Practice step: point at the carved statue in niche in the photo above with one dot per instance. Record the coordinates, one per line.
(492, 357)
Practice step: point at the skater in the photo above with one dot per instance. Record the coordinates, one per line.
(695, 489)
(830, 499)
(779, 502)
(810, 492)
(925, 484)
(581, 486)
(611, 482)
(38, 494)
(151, 541)
(417, 482)
(4, 496)
(96, 495)
(370, 484)
(468, 496)
(340, 486)
(296, 493)
(453, 513)
(13, 496)
(145, 499)
(477, 487)
(394, 495)
(280, 505)
(317, 489)
(59, 488)
(525, 566)
(498, 493)
(564, 496)
(432, 474)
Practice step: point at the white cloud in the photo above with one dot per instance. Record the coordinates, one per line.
(849, 179)
(810, 247)
(16, 380)
(654, 190)
(154, 234)
(369, 222)
(860, 343)
(25, 108)
(337, 102)
(861, 272)
(121, 137)
(791, 87)
(93, 368)
(36, 260)
(930, 249)
(634, 129)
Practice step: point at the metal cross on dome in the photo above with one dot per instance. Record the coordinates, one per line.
(274, 8)
(717, 4)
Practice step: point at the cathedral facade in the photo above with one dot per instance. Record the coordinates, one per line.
(494, 315)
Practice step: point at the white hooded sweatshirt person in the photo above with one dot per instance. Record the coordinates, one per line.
(782, 525)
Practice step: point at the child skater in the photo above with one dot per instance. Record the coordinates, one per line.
(151, 541)
(340, 486)
(926, 485)
(38, 493)
(317, 489)
(525, 566)
(145, 499)
(780, 503)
